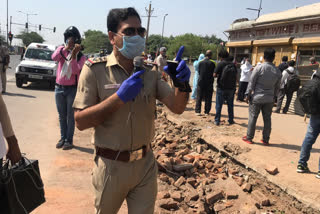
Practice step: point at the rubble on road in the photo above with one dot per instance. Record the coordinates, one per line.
(189, 171)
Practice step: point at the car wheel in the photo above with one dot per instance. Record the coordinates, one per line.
(19, 82)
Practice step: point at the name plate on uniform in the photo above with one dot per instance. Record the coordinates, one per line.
(112, 86)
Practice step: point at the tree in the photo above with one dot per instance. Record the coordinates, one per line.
(28, 38)
(155, 42)
(194, 45)
(96, 40)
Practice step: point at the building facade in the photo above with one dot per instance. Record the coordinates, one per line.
(294, 33)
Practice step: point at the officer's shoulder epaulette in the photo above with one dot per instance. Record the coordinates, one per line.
(95, 60)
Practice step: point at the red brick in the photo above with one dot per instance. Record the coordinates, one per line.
(164, 178)
(196, 163)
(163, 194)
(209, 165)
(180, 181)
(185, 138)
(168, 204)
(228, 204)
(189, 158)
(192, 181)
(183, 152)
(260, 198)
(213, 197)
(177, 196)
(273, 170)
(246, 187)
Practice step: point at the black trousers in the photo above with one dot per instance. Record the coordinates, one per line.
(242, 90)
(204, 92)
(281, 94)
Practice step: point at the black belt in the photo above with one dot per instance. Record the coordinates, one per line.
(66, 86)
(125, 156)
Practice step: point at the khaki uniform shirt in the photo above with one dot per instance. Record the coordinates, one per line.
(132, 125)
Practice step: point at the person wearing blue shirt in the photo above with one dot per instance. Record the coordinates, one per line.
(196, 77)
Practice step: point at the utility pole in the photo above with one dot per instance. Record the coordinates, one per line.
(259, 10)
(10, 22)
(149, 15)
(28, 14)
(7, 24)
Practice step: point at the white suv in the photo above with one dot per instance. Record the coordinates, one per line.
(37, 65)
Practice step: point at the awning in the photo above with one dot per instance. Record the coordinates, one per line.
(239, 44)
(306, 41)
(282, 41)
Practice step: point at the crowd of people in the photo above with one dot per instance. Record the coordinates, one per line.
(262, 87)
(119, 102)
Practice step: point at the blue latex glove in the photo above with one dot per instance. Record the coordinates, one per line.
(131, 87)
(183, 72)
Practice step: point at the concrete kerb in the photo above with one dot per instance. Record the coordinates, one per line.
(290, 191)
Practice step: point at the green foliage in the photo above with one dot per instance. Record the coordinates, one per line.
(96, 40)
(155, 42)
(28, 38)
(194, 45)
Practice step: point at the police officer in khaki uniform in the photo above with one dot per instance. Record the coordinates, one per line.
(120, 104)
(4, 62)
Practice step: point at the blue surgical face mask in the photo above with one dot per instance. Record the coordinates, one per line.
(132, 46)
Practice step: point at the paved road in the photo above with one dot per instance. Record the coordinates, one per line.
(66, 174)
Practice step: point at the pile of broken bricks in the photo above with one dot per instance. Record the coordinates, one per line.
(189, 168)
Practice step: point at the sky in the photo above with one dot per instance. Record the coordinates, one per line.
(202, 17)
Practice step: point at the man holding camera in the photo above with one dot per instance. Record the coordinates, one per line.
(118, 100)
(71, 61)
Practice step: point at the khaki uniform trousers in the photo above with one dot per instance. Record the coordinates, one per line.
(135, 181)
(3, 76)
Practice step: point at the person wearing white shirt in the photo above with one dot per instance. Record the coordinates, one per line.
(246, 70)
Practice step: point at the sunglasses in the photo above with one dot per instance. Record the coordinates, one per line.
(131, 31)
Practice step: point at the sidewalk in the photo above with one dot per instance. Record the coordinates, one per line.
(288, 132)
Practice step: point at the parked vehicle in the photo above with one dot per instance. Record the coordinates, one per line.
(37, 65)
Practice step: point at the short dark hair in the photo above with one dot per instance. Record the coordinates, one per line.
(285, 59)
(223, 54)
(118, 15)
(269, 54)
(292, 63)
(208, 53)
(230, 58)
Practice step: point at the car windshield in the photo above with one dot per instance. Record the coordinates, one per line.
(39, 54)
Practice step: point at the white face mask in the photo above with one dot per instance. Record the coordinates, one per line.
(247, 63)
(132, 46)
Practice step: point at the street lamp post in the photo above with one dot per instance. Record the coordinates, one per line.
(164, 18)
(28, 14)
